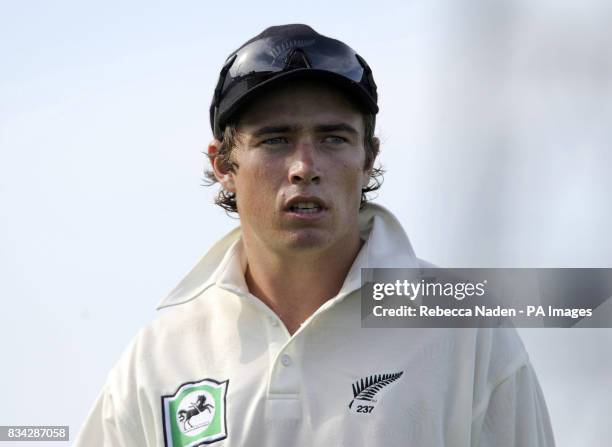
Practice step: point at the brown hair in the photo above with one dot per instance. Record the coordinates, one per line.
(227, 200)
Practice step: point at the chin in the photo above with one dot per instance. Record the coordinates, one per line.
(307, 240)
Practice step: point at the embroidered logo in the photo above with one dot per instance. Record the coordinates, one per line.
(195, 415)
(366, 389)
(287, 45)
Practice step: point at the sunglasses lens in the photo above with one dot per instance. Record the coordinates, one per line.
(271, 55)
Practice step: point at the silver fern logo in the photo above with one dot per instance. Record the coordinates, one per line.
(366, 389)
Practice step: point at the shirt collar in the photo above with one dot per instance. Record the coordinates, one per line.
(386, 246)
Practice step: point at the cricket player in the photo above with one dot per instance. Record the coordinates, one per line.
(261, 343)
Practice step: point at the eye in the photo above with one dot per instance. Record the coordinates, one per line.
(275, 141)
(334, 139)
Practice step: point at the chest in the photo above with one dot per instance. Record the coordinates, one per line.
(328, 387)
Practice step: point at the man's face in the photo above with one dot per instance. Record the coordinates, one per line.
(300, 168)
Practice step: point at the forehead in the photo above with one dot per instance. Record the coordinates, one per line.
(303, 102)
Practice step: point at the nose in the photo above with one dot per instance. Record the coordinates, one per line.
(304, 167)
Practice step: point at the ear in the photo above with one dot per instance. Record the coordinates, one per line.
(368, 168)
(222, 171)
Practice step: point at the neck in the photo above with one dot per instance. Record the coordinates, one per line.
(295, 286)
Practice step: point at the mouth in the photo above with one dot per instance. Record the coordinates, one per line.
(305, 208)
(308, 207)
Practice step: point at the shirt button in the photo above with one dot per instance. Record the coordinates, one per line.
(286, 360)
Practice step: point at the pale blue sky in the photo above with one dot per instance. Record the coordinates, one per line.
(495, 127)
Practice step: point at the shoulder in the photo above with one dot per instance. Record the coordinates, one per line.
(174, 329)
(195, 319)
(498, 352)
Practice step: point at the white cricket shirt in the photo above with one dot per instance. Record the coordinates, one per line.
(219, 367)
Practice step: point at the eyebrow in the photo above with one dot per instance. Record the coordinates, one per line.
(335, 127)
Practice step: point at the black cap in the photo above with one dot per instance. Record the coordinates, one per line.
(280, 53)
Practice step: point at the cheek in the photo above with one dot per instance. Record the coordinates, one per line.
(351, 180)
(256, 187)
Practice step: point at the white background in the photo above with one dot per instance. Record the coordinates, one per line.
(495, 121)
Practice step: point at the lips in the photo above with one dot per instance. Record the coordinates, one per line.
(305, 205)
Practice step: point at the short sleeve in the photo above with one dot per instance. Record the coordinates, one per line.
(516, 414)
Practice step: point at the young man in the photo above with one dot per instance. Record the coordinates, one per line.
(262, 343)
